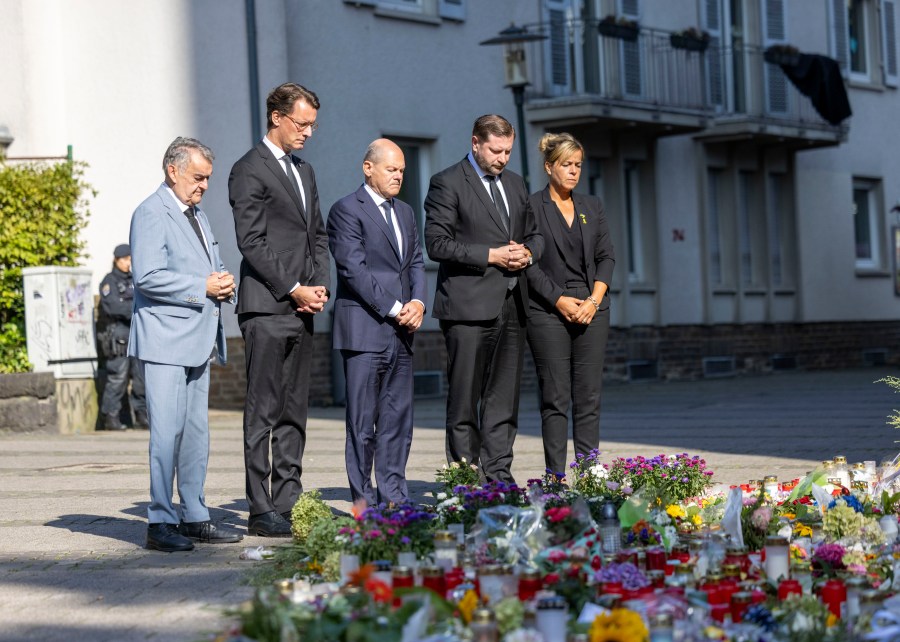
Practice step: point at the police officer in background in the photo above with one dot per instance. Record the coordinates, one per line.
(113, 323)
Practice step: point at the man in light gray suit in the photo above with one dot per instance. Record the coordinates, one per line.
(179, 285)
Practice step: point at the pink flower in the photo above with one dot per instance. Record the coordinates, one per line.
(761, 517)
(556, 556)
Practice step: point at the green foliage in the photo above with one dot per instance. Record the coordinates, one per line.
(43, 208)
(459, 473)
(893, 382)
(13, 355)
(308, 510)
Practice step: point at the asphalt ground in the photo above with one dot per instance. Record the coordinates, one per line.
(72, 508)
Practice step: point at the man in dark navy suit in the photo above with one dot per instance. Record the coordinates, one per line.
(379, 304)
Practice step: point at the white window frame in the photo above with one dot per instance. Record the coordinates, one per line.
(634, 223)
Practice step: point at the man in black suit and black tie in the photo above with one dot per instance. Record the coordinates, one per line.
(284, 282)
(480, 228)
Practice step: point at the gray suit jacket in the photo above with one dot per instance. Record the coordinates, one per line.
(174, 321)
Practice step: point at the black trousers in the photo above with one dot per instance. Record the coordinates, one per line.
(118, 370)
(485, 370)
(569, 362)
(278, 350)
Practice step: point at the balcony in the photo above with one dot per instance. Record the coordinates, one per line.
(649, 85)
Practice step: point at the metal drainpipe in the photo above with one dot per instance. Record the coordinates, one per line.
(253, 70)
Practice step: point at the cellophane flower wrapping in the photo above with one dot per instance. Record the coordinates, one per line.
(508, 535)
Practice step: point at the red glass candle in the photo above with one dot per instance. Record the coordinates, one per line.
(789, 587)
(680, 553)
(433, 578)
(612, 587)
(401, 577)
(657, 578)
(454, 577)
(833, 595)
(740, 602)
(757, 596)
(656, 559)
(717, 611)
(628, 555)
(529, 584)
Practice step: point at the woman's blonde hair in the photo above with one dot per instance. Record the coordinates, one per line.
(556, 147)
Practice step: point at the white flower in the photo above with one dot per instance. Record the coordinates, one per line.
(598, 471)
(523, 635)
(441, 496)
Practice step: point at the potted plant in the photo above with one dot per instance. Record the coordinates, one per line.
(784, 55)
(690, 39)
(622, 28)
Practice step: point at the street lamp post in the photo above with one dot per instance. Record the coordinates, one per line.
(513, 39)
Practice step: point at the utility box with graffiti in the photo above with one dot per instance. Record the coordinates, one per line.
(59, 321)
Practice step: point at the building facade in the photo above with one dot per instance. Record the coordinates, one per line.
(750, 233)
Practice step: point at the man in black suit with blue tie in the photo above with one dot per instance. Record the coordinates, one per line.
(480, 228)
(283, 283)
(379, 304)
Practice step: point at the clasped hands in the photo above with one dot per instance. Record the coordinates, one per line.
(309, 298)
(220, 285)
(575, 310)
(410, 315)
(510, 257)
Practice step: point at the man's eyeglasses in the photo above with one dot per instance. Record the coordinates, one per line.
(301, 126)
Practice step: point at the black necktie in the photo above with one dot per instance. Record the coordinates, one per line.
(498, 201)
(504, 216)
(386, 206)
(192, 217)
(289, 168)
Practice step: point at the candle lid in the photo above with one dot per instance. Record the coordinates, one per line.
(840, 459)
(490, 569)
(431, 571)
(382, 565)
(482, 615)
(770, 479)
(776, 540)
(530, 574)
(444, 536)
(554, 602)
(742, 597)
(401, 571)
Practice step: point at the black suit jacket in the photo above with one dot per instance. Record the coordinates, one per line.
(547, 277)
(461, 225)
(280, 247)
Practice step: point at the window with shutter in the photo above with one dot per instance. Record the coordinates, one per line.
(775, 32)
(712, 24)
(889, 42)
(558, 49)
(632, 80)
(452, 9)
(837, 10)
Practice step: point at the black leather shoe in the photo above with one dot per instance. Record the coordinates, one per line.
(112, 422)
(166, 538)
(286, 516)
(141, 421)
(209, 533)
(269, 524)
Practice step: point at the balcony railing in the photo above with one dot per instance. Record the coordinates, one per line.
(722, 85)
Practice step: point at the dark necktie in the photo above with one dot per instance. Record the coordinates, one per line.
(504, 216)
(498, 201)
(386, 206)
(289, 168)
(192, 217)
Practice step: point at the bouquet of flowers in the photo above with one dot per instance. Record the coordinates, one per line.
(621, 625)
(462, 503)
(757, 518)
(643, 533)
(673, 477)
(379, 533)
(459, 473)
(591, 478)
(624, 573)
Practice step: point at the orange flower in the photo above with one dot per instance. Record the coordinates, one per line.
(359, 506)
(361, 576)
(379, 591)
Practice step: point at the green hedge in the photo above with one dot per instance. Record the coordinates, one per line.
(43, 208)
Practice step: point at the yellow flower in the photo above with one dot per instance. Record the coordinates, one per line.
(831, 620)
(675, 511)
(789, 516)
(697, 519)
(620, 625)
(467, 605)
(583, 219)
(802, 530)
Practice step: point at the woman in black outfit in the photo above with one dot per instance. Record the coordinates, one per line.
(568, 317)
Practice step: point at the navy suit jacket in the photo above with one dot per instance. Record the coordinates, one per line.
(546, 278)
(461, 226)
(371, 275)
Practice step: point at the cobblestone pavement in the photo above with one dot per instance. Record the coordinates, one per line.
(72, 508)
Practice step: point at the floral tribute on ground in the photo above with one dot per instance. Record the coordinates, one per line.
(618, 550)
